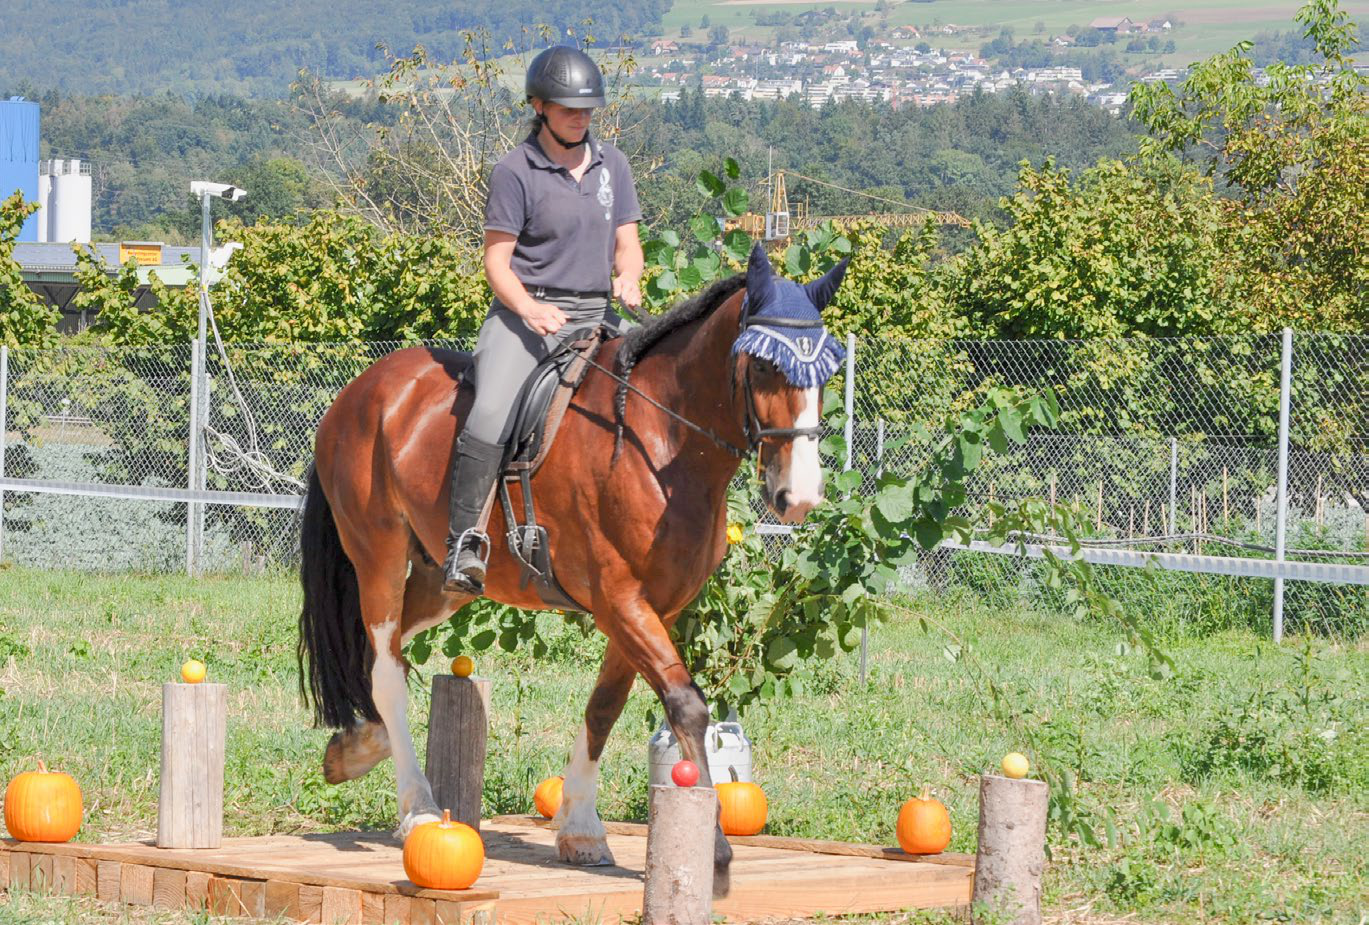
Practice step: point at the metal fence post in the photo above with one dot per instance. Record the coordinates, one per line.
(4, 423)
(192, 467)
(1173, 486)
(1281, 497)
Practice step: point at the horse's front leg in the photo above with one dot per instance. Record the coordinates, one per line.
(581, 838)
(642, 637)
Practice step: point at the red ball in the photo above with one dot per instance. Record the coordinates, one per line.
(685, 774)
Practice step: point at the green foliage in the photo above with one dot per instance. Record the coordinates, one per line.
(1122, 252)
(24, 318)
(1294, 152)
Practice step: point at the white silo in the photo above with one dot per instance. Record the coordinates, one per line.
(69, 202)
(44, 195)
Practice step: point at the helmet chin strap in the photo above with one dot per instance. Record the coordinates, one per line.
(559, 140)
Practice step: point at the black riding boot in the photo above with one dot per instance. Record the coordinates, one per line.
(468, 547)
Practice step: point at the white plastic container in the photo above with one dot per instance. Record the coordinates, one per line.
(725, 742)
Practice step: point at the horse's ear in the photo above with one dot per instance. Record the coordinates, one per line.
(760, 276)
(824, 287)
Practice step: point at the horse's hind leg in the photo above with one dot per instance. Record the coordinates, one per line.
(382, 604)
(581, 838)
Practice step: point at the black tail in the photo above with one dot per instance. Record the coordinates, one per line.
(332, 634)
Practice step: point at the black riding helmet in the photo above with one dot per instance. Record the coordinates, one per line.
(565, 75)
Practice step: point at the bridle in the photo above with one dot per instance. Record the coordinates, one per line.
(751, 422)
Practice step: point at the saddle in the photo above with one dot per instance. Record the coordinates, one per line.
(541, 408)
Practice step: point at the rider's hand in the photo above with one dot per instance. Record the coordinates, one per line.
(628, 291)
(543, 318)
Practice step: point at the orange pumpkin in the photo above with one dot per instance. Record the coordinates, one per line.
(742, 807)
(924, 826)
(43, 805)
(547, 796)
(444, 855)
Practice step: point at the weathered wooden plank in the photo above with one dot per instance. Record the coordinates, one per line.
(422, 911)
(396, 910)
(63, 875)
(809, 845)
(168, 888)
(87, 876)
(311, 904)
(135, 885)
(457, 730)
(4, 868)
(282, 899)
(197, 888)
(19, 870)
(341, 906)
(253, 893)
(457, 913)
(107, 875)
(190, 803)
(40, 873)
(225, 896)
(372, 909)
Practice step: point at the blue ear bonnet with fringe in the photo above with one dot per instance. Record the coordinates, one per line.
(782, 322)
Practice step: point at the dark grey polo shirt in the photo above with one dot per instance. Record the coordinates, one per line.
(565, 229)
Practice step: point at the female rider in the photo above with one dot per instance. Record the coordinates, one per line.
(560, 219)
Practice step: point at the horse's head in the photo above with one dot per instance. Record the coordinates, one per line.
(785, 355)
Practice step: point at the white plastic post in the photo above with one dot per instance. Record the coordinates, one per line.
(193, 461)
(1173, 486)
(850, 398)
(1281, 523)
(4, 422)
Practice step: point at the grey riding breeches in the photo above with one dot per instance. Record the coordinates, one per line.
(507, 352)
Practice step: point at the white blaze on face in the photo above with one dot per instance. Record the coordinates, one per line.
(802, 483)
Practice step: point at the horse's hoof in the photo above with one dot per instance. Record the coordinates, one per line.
(413, 820)
(353, 752)
(584, 850)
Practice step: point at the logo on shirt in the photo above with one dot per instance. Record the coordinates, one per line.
(606, 194)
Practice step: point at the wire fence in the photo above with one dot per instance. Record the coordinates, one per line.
(1166, 446)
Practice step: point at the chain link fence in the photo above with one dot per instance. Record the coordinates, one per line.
(1162, 445)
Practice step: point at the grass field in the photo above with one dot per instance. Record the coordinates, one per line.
(1203, 26)
(1239, 788)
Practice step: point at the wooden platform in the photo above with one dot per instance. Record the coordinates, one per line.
(357, 878)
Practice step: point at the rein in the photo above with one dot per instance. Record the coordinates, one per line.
(751, 426)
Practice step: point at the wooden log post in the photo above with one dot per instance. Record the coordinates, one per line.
(1012, 850)
(194, 727)
(679, 856)
(458, 727)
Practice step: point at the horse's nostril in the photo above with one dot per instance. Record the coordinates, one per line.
(782, 500)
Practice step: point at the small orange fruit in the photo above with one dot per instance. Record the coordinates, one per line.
(462, 666)
(924, 826)
(193, 671)
(547, 797)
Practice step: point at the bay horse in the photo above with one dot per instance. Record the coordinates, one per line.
(632, 492)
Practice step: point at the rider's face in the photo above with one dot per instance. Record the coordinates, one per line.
(570, 124)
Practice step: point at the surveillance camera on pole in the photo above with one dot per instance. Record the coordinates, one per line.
(227, 191)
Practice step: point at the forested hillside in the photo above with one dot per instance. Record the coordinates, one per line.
(145, 150)
(257, 46)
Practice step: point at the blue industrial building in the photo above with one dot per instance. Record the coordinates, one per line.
(19, 133)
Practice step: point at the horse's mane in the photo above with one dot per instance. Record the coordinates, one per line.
(640, 340)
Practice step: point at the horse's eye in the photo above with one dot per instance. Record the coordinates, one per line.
(763, 366)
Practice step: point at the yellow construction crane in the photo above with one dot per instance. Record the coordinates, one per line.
(780, 221)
